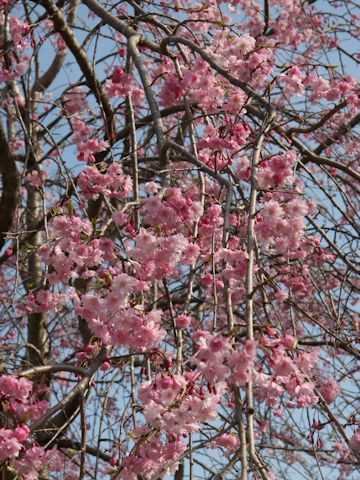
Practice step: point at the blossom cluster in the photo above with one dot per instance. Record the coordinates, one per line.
(74, 252)
(113, 183)
(173, 404)
(16, 446)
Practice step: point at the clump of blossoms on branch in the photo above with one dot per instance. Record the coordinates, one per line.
(17, 448)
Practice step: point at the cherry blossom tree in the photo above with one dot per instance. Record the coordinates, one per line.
(179, 206)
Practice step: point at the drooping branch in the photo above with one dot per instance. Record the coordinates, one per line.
(72, 43)
(41, 84)
(49, 426)
(118, 25)
(249, 287)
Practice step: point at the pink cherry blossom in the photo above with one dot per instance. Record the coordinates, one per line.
(15, 389)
